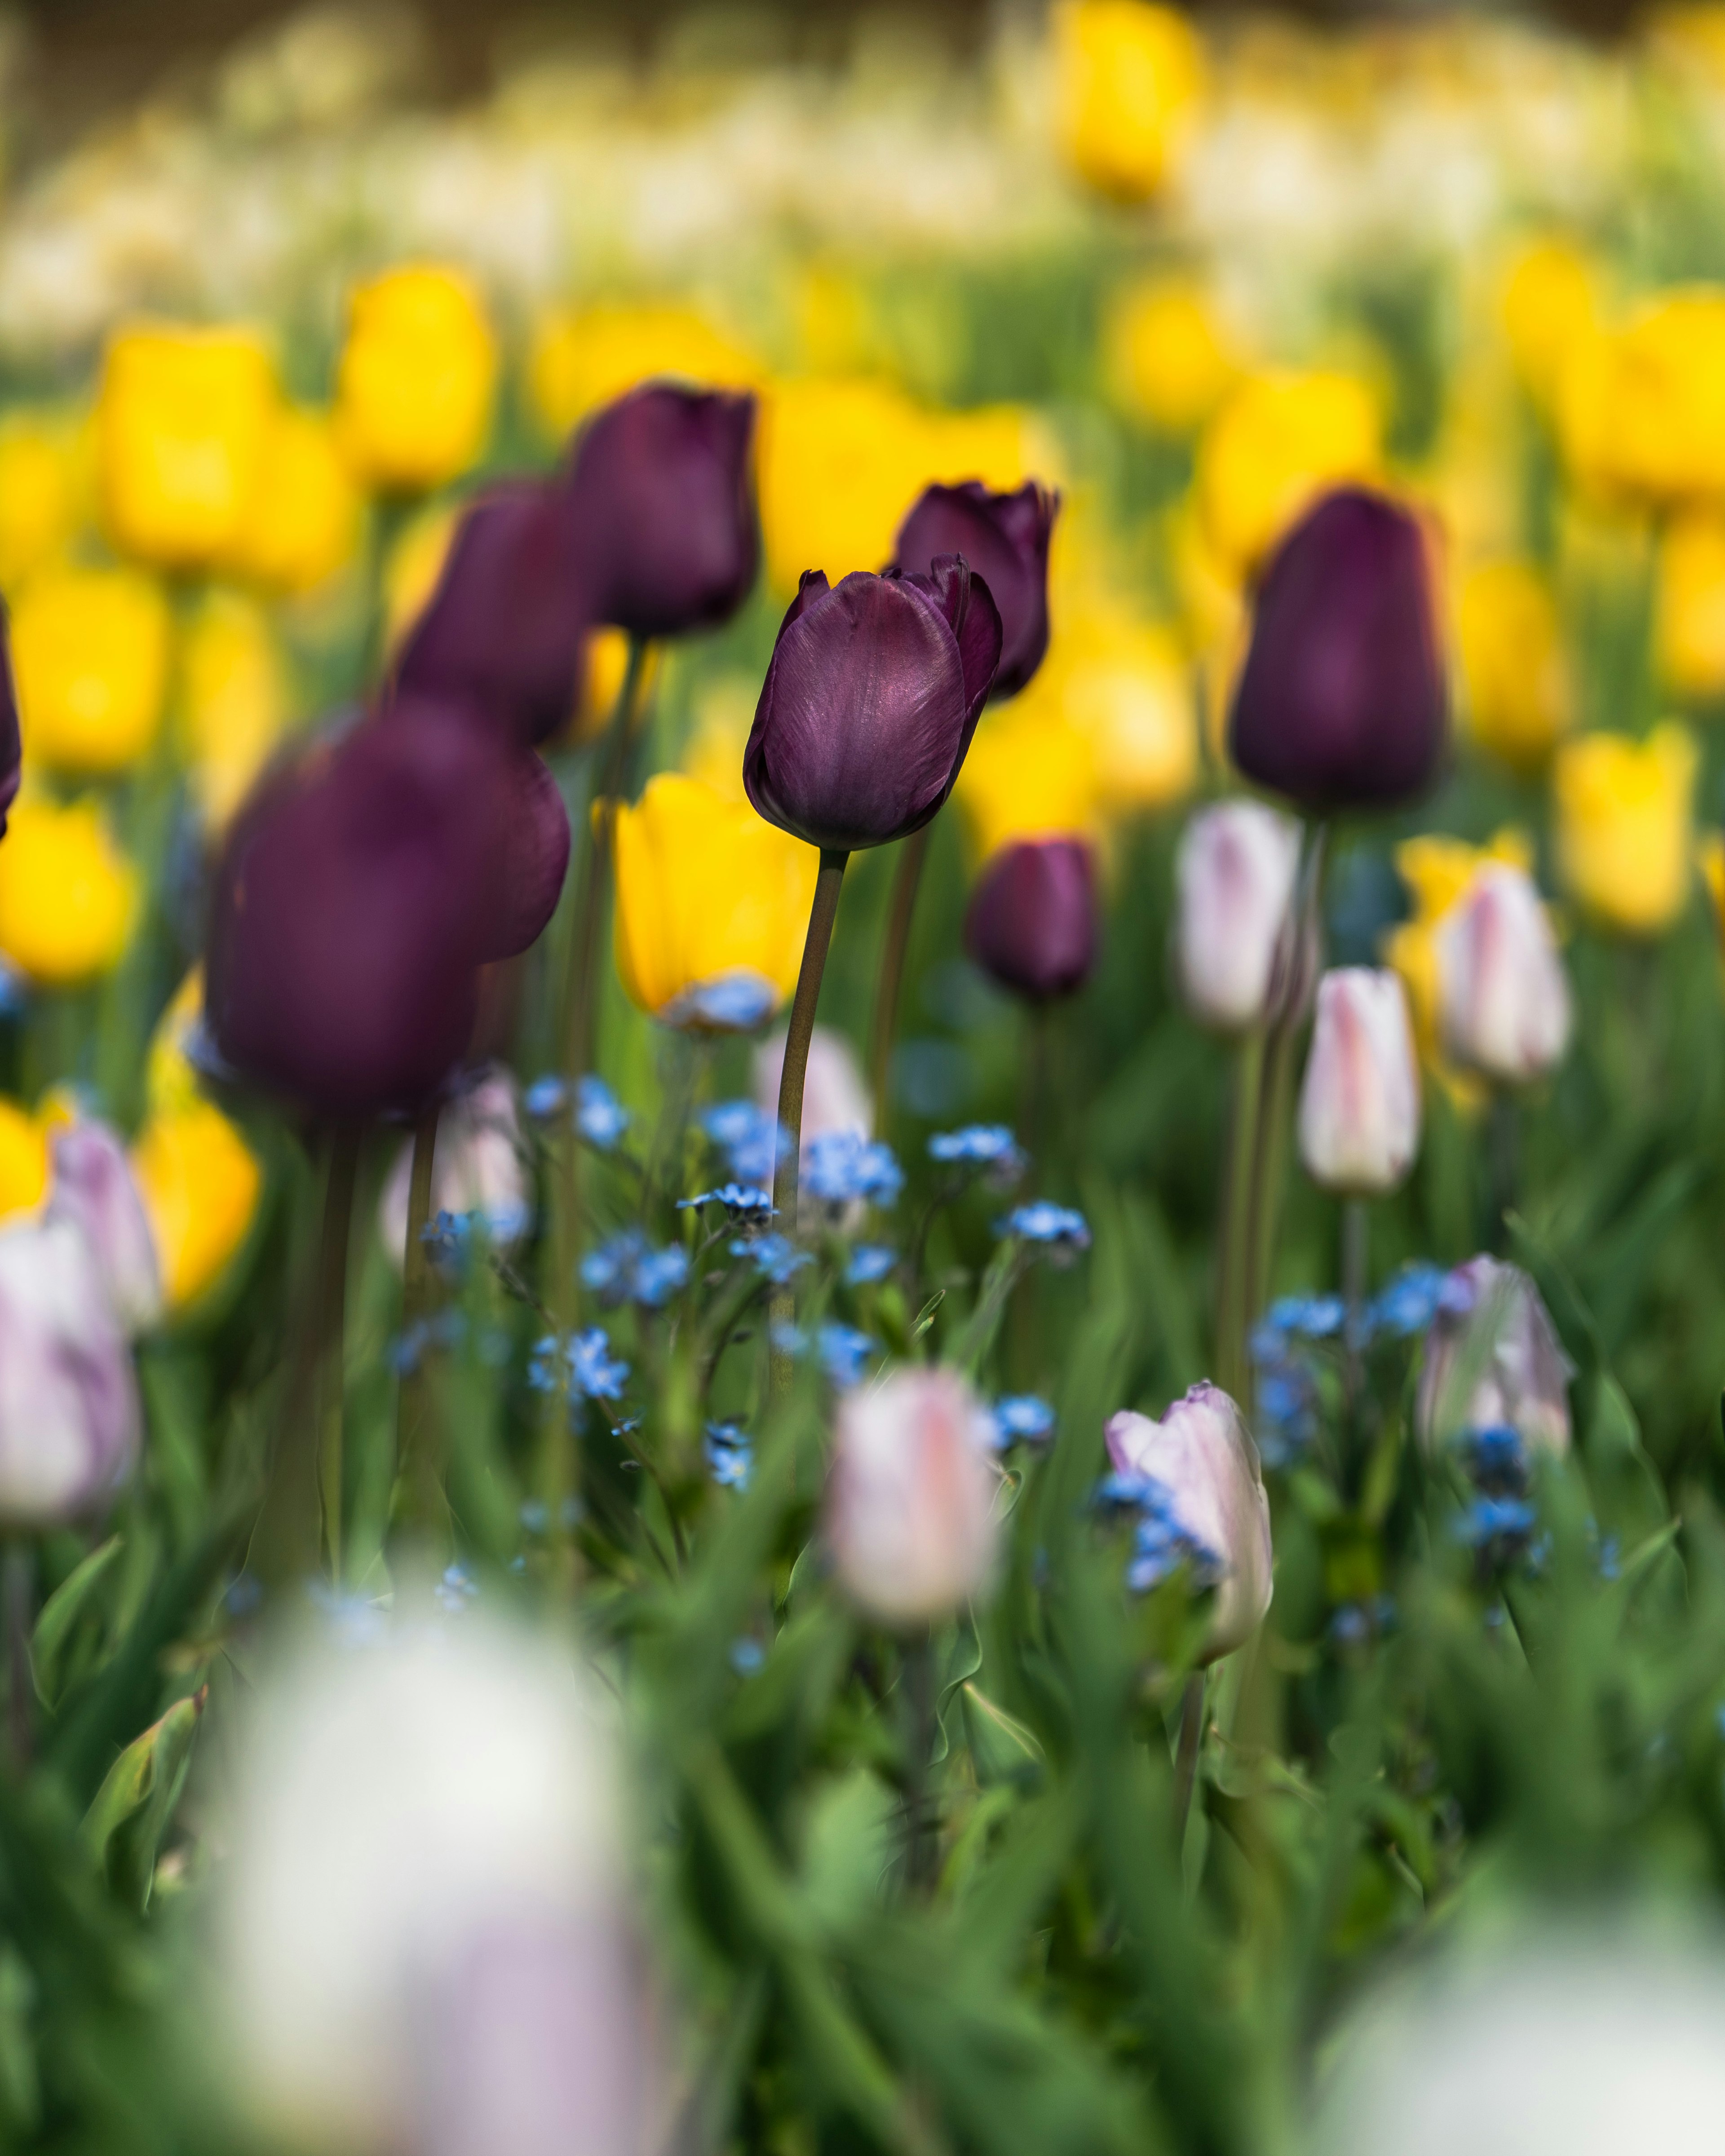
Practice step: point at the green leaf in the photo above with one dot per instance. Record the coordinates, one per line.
(59, 1617)
(131, 1810)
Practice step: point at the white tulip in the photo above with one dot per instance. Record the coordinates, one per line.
(911, 1497)
(1202, 1456)
(1493, 1360)
(1234, 878)
(478, 1165)
(93, 1186)
(1503, 1000)
(1359, 1106)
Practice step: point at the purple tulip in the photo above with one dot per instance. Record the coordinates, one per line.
(360, 890)
(505, 628)
(1342, 702)
(662, 488)
(874, 691)
(1004, 538)
(1032, 922)
(11, 746)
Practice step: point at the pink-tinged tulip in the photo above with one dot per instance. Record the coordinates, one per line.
(1503, 1000)
(869, 702)
(69, 1421)
(1202, 1456)
(1004, 538)
(479, 1166)
(1359, 1107)
(1235, 878)
(834, 1095)
(1031, 925)
(911, 1497)
(1493, 1360)
(93, 1186)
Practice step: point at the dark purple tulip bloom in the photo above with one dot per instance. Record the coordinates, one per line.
(1004, 538)
(663, 489)
(1342, 701)
(360, 890)
(1032, 922)
(869, 705)
(11, 746)
(505, 628)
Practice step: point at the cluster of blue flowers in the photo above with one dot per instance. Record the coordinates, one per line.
(730, 1455)
(844, 1353)
(410, 1348)
(626, 1269)
(752, 1140)
(743, 1201)
(843, 1167)
(456, 1590)
(989, 1148)
(869, 1262)
(730, 1003)
(600, 1117)
(1058, 1229)
(594, 1372)
(776, 1258)
(1021, 1418)
(1162, 1541)
(1283, 1339)
(1499, 1520)
(446, 1238)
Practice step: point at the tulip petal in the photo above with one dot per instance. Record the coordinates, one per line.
(969, 606)
(536, 855)
(1005, 538)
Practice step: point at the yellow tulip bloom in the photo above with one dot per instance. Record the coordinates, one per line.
(1277, 442)
(416, 379)
(24, 1159)
(1124, 686)
(170, 1081)
(89, 650)
(1689, 635)
(200, 1182)
(581, 358)
(1641, 409)
(1169, 359)
(1624, 838)
(302, 522)
(1129, 79)
(67, 895)
(182, 419)
(708, 893)
(1513, 665)
(42, 479)
(1550, 304)
(235, 700)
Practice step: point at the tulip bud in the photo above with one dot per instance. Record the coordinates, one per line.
(1359, 1107)
(478, 1165)
(1493, 1360)
(404, 1807)
(1032, 921)
(69, 1421)
(506, 624)
(1202, 1457)
(1503, 1002)
(1004, 538)
(1235, 872)
(910, 1501)
(94, 1188)
(662, 491)
(1341, 701)
(873, 693)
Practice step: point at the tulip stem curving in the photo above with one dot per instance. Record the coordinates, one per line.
(821, 916)
(416, 1448)
(332, 1328)
(907, 880)
(19, 1569)
(1186, 1752)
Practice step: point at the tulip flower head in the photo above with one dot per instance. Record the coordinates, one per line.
(504, 626)
(869, 702)
(1624, 826)
(359, 893)
(1342, 700)
(94, 1187)
(662, 490)
(1201, 1456)
(1492, 1361)
(1236, 874)
(479, 1166)
(200, 1182)
(1359, 1106)
(91, 649)
(910, 1499)
(416, 378)
(68, 896)
(1005, 538)
(1504, 1007)
(1031, 924)
(1129, 75)
(69, 1420)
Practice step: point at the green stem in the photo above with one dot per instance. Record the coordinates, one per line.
(339, 1182)
(1233, 1295)
(1356, 1222)
(906, 881)
(821, 916)
(18, 1570)
(922, 1842)
(417, 1448)
(1186, 1752)
(1503, 1143)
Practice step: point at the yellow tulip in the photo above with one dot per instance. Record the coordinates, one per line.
(89, 649)
(842, 461)
(302, 522)
(1276, 443)
(1624, 832)
(1710, 858)
(416, 379)
(1129, 79)
(581, 358)
(1439, 872)
(234, 703)
(1168, 357)
(1513, 665)
(67, 895)
(1641, 409)
(1030, 774)
(170, 1081)
(182, 418)
(200, 1182)
(706, 892)
(24, 1159)
(1689, 627)
(603, 668)
(411, 570)
(41, 489)
(1124, 686)
(1550, 304)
